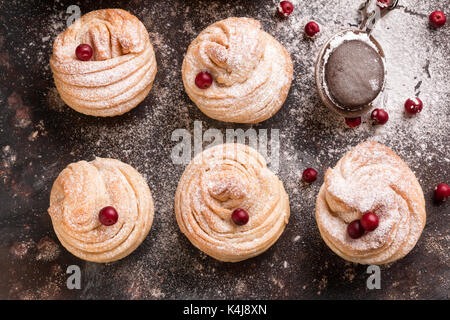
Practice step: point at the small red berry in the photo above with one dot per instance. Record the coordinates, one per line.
(383, 4)
(203, 80)
(108, 216)
(355, 230)
(285, 8)
(309, 175)
(379, 116)
(240, 217)
(437, 19)
(413, 106)
(312, 28)
(353, 122)
(84, 52)
(442, 192)
(369, 221)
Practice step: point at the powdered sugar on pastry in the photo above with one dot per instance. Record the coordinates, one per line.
(82, 190)
(371, 177)
(121, 71)
(216, 182)
(252, 71)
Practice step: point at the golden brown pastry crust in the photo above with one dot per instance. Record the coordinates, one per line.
(216, 182)
(121, 71)
(371, 177)
(82, 190)
(252, 71)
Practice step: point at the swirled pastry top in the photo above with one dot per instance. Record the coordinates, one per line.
(371, 177)
(82, 190)
(121, 71)
(252, 71)
(220, 180)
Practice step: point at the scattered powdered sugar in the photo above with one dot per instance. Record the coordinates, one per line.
(48, 250)
(409, 71)
(166, 264)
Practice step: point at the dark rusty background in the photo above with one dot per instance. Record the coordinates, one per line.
(39, 136)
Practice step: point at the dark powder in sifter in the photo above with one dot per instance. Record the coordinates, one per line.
(354, 74)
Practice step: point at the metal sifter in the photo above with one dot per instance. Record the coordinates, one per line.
(350, 69)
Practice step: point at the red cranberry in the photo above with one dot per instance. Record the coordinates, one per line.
(442, 192)
(312, 28)
(379, 116)
(383, 4)
(413, 106)
(285, 8)
(84, 52)
(369, 221)
(240, 217)
(437, 19)
(355, 230)
(353, 122)
(203, 80)
(108, 216)
(309, 175)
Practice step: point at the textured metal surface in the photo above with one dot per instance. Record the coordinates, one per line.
(39, 136)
